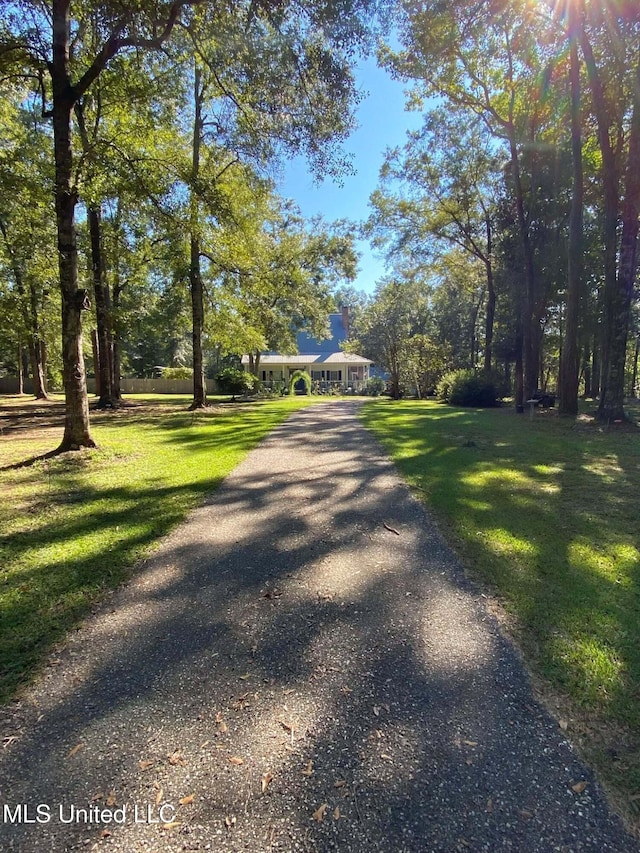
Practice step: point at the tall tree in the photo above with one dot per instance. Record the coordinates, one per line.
(483, 58)
(609, 41)
(440, 192)
(568, 383)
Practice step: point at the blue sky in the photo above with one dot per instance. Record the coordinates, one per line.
(383, 123)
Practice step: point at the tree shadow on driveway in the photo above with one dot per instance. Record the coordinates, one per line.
(305, 666)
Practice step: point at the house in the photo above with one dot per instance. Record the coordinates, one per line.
(329, 367)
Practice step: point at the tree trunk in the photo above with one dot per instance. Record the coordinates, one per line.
(519, 371)
(20, 372)
(195, 275)
(104, 367)
(95, 346)
(531, 360)
(491, 300)
(595, 367)
(634, 376)
(568, 386)
(118, 287)
(76, 426)
(586, 372)
(37, 373)
(612, 400)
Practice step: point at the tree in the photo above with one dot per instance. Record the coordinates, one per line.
(439, 191)
(568, 383)
(286, 286)
(609, 41)
(397, 313)
(484, 59)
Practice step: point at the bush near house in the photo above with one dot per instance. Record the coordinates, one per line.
(375, 386)
(469, 388)
(234, 381)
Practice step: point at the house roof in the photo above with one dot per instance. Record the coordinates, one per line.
(310, 358)
(337, 334)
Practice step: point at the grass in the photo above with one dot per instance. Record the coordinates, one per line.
(545, 513)
(73, 526)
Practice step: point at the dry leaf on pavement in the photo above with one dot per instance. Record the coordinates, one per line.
(318, 815)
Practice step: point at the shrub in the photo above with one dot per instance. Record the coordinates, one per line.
(469, 388)
(177, 373)
(375, 386)
(234, 381)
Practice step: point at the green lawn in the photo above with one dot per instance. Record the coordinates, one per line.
(544, 512)
(72, 526)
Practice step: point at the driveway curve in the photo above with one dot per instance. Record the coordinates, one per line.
(301, 666)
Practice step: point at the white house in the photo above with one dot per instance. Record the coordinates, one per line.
(328, 366)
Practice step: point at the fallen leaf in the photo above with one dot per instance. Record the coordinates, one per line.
(245, 676)
(392, 529)
(318, 815)
(235, 759)
(289, 727)
(76, 749)
(172, 825)
(564, 725)
(336, 813)
(386, 757)
(376, 710)
(105, 833)
(308, 770)
(222, 727)
(186, 801)
(111, 799)
(579, 787)
(525, 813)
(230, 822)
(159, 794)
(145, 764)
(470, 742)
(266, 781)
(219, 717)
(176, 759)
(339, 783)
(98, 796)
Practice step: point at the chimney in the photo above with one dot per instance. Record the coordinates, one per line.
(345, 320)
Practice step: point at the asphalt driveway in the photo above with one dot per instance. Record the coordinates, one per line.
(301, 666)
